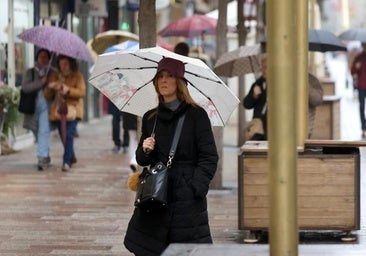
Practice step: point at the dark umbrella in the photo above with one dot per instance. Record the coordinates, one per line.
(323, 41)
(354, 34)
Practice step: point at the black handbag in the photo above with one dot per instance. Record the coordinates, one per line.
(152, 190)
(27, 102)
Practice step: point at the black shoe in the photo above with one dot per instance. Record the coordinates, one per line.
(73, 161)
(116, 149)
(43, 163)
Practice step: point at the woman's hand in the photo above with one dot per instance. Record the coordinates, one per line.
(64, 89)
(54, 85)
(257, 91)
(148, 145)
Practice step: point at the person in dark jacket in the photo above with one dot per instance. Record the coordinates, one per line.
(256, 99)
(185, 218)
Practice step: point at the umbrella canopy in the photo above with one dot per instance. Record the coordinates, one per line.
(244, 60)
(133, 46)
(126, 79)
(323, 41)
(111, 37)
(127, 45)
(191, 26)
(354, 34)
(58, 40)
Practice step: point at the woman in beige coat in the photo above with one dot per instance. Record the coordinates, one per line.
(66, 86)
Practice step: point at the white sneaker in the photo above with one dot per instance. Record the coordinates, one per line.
(66, 168)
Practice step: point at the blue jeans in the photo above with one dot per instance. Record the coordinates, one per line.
(43, 129)
(69, 152)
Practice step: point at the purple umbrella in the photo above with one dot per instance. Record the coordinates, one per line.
(58, 40)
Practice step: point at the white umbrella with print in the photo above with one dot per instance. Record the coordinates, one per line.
(126, 79)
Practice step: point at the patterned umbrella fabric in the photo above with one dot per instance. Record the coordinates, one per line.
(126, 79)
(244, 60)
(354, 34)
(58, 40)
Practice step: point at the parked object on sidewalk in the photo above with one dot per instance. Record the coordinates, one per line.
(58, 40)
(126, 78)
(354, 34)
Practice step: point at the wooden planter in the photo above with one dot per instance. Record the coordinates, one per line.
(328, 187)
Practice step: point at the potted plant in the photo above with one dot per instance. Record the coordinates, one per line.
(9, 97)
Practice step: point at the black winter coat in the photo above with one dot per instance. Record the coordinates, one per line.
(258, 104)
(185, 220)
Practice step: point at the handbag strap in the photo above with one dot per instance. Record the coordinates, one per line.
(177, 133)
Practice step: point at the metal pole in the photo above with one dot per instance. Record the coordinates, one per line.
(242, 36)
(312, 25)
(11, 48)
(302, 71)
(282, 155)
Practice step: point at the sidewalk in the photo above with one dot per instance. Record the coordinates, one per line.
(86, 211)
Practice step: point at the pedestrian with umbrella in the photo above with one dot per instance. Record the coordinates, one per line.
(185, 219)
(66, 90)
(34, 105)
(163, 86)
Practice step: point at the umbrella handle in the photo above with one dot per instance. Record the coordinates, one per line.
(49, 63)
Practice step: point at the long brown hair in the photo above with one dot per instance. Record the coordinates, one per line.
(182, 94)
(182, 91)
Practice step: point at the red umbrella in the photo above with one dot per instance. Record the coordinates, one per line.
(191, 26)
(58, 40)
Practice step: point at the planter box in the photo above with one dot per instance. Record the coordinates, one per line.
(328, 186)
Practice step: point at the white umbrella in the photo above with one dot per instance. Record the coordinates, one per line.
(126, 79)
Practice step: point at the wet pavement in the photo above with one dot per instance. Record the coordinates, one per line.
(86, 211)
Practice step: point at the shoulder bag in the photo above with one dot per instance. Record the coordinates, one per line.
(27, 101)
(152, 189)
